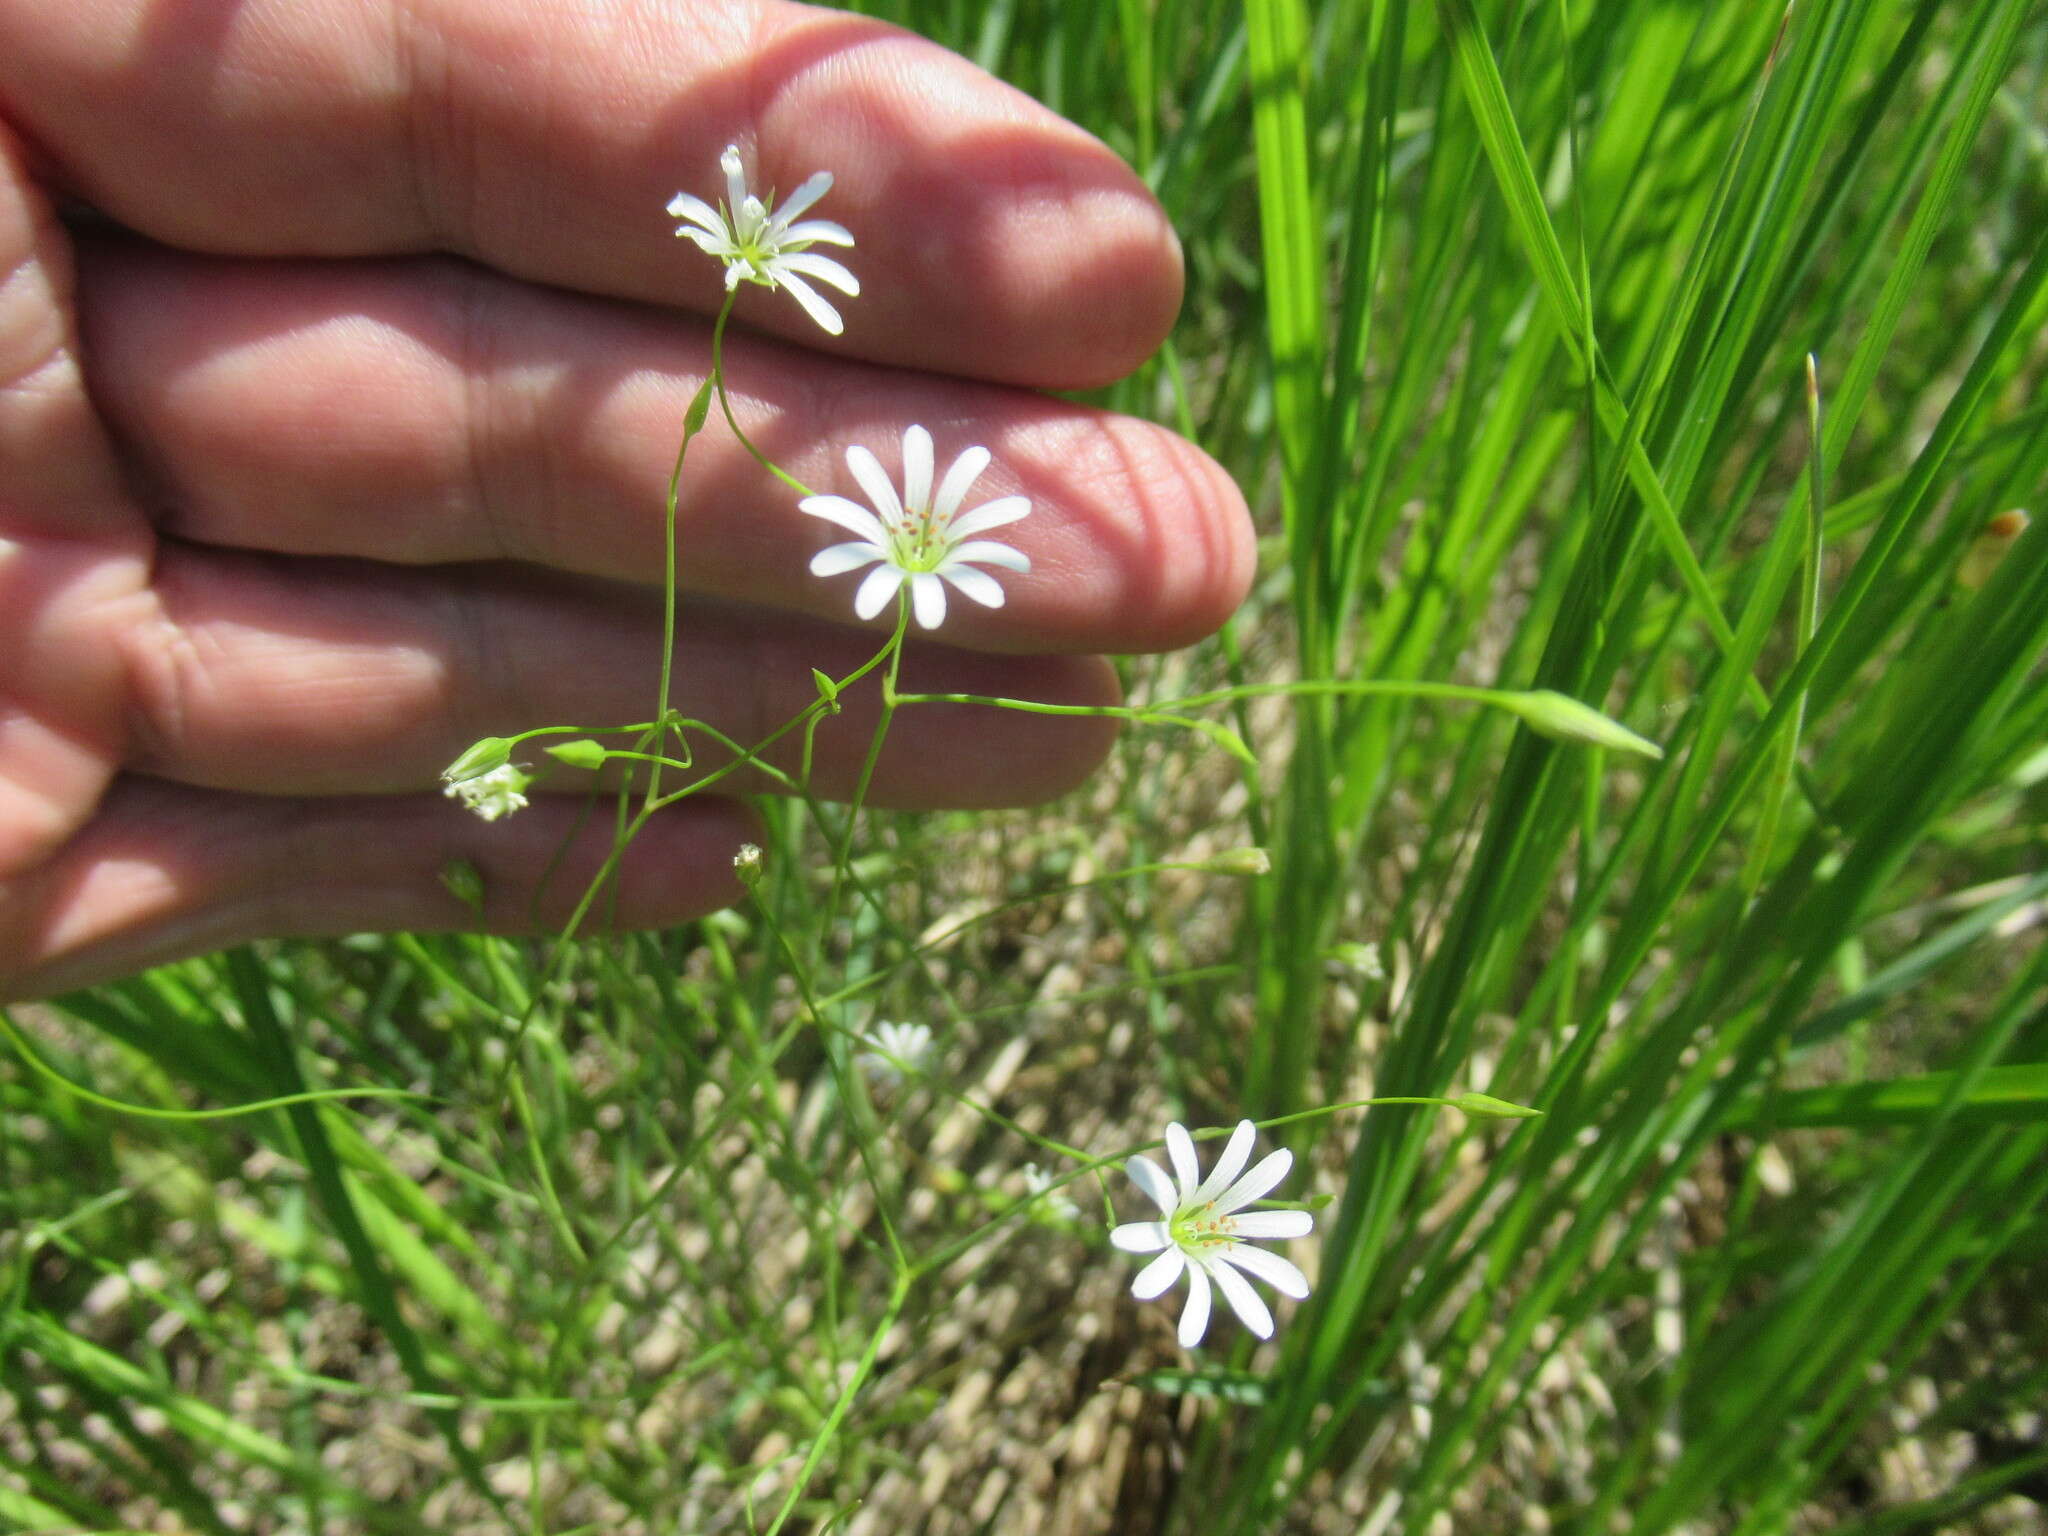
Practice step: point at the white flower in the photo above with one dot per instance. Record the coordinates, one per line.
(1204, 1230)
(770, 248)
(1038, 1181)
(497, 793)
(898, 1050)
(920, 537)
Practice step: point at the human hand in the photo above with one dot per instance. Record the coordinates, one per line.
(335, 437)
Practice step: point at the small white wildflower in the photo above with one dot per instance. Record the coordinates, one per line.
(1205, 1227)
(920, 538)
(1361, 958)
(1037, 1181)
(899, 1049)
(769, 246)
(498, 792)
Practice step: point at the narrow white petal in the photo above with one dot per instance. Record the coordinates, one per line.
(814, 303)
(989, 552)
(822, 268)
(960, 478)
(1273, 1224)
(735, 272)
(1148, 1176)
(1244, 1301)
(1159, 1274)
(1236, 1154)
(1268, 1171)
(1187, 1172)
(697, 211)
(881, 490)
(816, 232)
(983, 588)
(850, 515)
(928, 599)
(1269, 1267)
(1140, 1237)
(841, 558)
(735, 179)
(875, 592)
(815, 186)
(1194, 1317)
(1005, 509)
(711, 245)
(917, 468)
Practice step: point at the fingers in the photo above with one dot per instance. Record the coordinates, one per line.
(168, 871)
(429, 411)
(545, 140)
(73, 553)
(293, 677)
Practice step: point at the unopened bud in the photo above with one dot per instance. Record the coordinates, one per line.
(1239, 861)
(1484, 1106)
(464, 883)
(580, 753)
(747, 865)
(1550, 713)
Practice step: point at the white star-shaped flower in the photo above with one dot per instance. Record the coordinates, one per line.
(920, 538)
(898, 1048)
(1205, 1227)
(499, 792)
(762, 244)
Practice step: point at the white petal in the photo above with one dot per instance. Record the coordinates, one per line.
(816, 232)
(1159, 1274)
(917, 468)
(1269, 1267)
(960, 478)
(841, 558)
(711, 245)
(881, 490)
(993, 514)
(850, 515)
(814, 304)
(1244, 1301)
(823, 268)
(1187, 1172)
(984, 589)
(928, 599)
(735, 178)
(1141, 1237)
(1148, 1176)
(1235, 1155)
(875, 592)
(815, 186)
(1194, 1317)
(697, 211)
(989, 552)
(1268, 1171)
(1273, 1224)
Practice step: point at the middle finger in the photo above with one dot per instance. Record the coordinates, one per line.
(428, 411)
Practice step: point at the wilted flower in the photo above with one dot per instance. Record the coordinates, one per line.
(1038, 1181)
(497, 792)
(920, 538)
(899, 1049)
(1205, 1227)
(769, 246)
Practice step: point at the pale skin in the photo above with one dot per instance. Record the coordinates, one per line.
(344, 347)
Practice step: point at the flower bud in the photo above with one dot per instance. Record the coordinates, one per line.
(747, 865)
(1550, 713)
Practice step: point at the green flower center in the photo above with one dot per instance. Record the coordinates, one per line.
(1200, 1228)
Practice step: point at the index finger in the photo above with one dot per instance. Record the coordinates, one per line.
(995, 239)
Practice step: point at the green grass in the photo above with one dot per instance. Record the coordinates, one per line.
(1501, 313)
